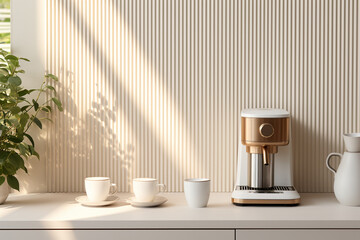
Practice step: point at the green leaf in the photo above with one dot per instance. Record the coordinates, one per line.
(9, 168)
(36, 105)
(12, 66)
(7, 106)
(2, 180)
(3, 78)
(8, 145)
(4, 71)
(15, 110)
(24, 108)
(14, 121)
(24, 119)
(57, 103)
(16, 160)
(37, 155)
(32, 90)
(13, 93)
(11, 57)
(45, 109)
(33, 152)
(4, 156)
(49, 107)
(23, 92)
(30, 138)
(52, 76)
(13, 182)
(25, 59)
(37, 122)
(15, 80)
(15, 139)
(50, 87)
(23, 150)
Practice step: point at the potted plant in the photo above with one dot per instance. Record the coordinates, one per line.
(20, 108)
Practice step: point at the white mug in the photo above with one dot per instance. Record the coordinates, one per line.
(98, 188)
(197, 192)
(145, 189)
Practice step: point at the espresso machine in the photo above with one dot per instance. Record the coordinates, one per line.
(264, 171)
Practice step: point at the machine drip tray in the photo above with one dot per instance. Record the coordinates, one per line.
(277, 195)
(273, 189)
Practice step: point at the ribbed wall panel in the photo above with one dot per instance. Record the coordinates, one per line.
(154, 88)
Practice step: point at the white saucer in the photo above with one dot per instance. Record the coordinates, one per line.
(158, 200)
(85, 201)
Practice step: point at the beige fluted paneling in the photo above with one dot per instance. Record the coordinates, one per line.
(154, 88)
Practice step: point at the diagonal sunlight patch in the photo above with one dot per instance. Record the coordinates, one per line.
(114, 96)
(167, 123)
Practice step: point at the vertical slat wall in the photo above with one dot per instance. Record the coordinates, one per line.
(154, 88)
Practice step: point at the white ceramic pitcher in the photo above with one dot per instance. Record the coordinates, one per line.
(347, 176)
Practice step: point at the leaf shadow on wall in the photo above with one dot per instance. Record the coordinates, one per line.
(117, 155)
(99, 117)
(93, 146)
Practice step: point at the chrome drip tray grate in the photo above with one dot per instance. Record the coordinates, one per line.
(275, 188)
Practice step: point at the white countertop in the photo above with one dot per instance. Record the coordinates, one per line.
(60, 211)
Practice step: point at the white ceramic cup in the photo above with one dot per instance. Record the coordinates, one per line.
(197, 192)
(145, 189)
(352, 142)
(98, 188)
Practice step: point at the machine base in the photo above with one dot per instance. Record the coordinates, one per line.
(280, 195)
(284, 202)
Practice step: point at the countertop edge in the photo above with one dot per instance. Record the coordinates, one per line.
(60, 211)
(169, 225)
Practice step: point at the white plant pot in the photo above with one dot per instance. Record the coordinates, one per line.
(4, 192)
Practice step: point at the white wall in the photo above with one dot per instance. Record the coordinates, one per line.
(28, 40)
(154, 88)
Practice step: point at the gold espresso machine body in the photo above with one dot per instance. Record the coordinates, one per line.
(264, 174)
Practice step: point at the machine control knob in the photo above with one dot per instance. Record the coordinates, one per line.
(266, 130)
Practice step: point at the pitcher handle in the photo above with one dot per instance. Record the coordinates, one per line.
(328, 160)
